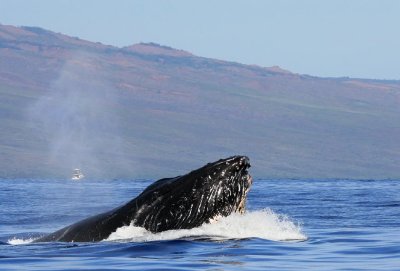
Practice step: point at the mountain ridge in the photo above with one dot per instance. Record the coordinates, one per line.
(161, 111)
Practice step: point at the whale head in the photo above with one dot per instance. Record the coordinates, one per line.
(201, 196)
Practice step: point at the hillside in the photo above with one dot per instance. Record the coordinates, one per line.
(149, 111)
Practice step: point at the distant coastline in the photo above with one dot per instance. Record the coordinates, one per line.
(147, 111)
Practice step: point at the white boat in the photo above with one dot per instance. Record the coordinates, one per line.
(77, 175)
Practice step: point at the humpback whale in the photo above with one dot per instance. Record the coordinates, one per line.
(183, 202)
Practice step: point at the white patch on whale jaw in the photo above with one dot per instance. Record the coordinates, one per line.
(214, 219)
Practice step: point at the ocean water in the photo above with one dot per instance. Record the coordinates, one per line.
(289, 225)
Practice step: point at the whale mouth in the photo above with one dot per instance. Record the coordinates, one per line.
(203, 195)
(230, 186)
(244, 183)
(241, 207)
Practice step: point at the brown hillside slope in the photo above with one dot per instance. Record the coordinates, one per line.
(149, 111)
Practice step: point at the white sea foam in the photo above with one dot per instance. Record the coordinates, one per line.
(264, 224)
(19, 241)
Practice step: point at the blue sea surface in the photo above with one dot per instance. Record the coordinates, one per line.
(347, 225)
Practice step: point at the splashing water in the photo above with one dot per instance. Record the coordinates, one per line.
(263, 224)
(18, 241)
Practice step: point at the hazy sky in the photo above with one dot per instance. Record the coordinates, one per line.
(356, 38)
